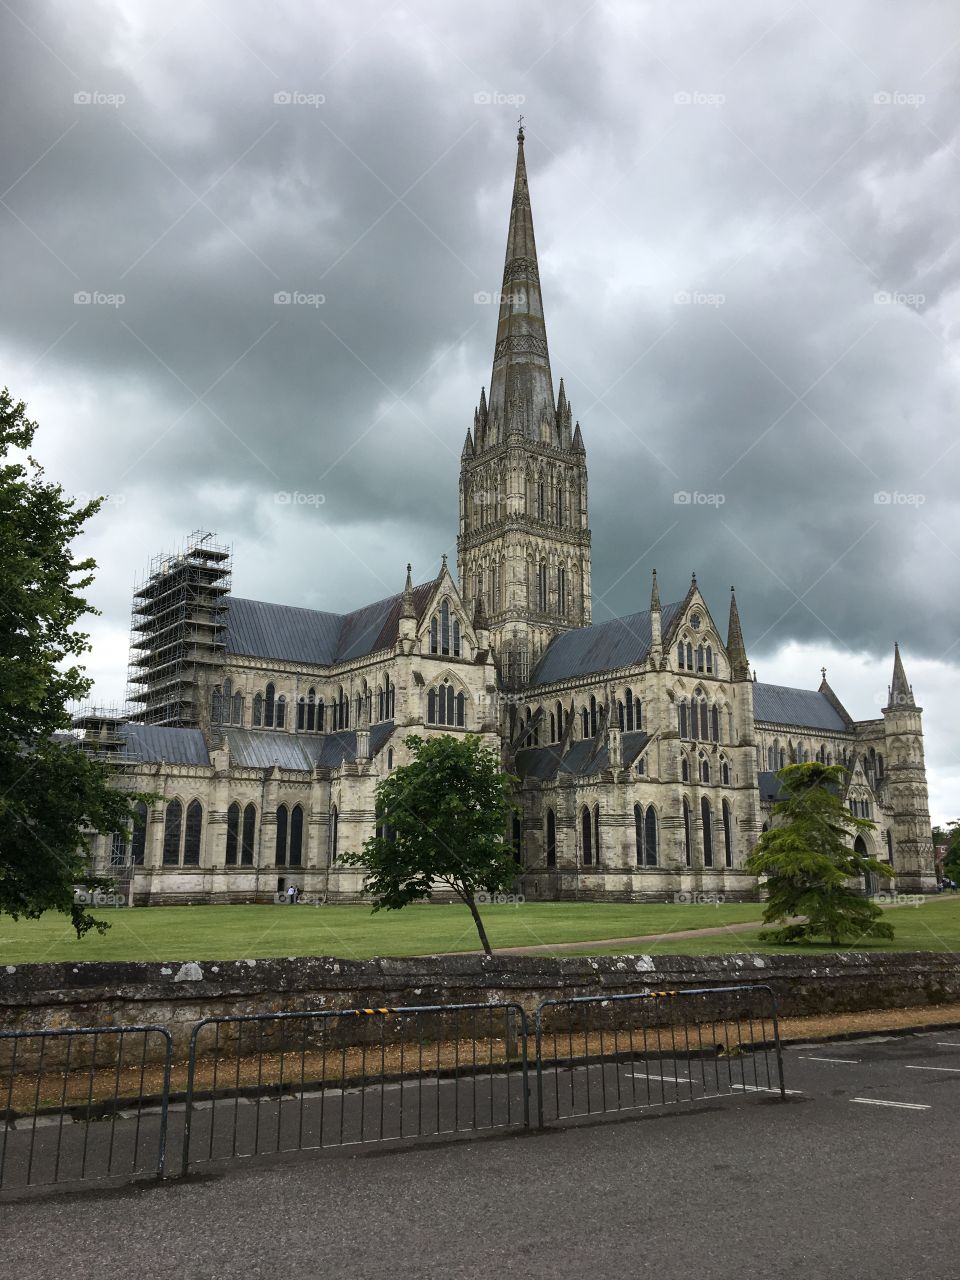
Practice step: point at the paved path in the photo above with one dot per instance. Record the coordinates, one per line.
(847, 1179)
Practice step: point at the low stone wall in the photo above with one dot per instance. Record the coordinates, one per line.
(176, 995)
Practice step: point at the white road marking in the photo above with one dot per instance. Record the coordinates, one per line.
(649, 1075)
(910, 1067)
(810, 1058)
(880, 1102)
(759, 1088)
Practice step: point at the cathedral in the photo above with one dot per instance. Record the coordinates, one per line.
(646, 751)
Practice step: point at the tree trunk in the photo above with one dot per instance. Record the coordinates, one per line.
(479, 923)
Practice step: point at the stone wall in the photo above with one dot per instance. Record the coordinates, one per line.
(176, 995)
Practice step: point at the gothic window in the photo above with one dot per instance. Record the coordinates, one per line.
(879, 766)
(689, 656)
(445, 628)
(685, 769)
(301, 714)
(621, 715)
(238, 708)
(193, 831)
(682, 716)
(560, 724)
(650, 837)
(172, 823)
(456, 637)
(282, 711)
(628, 710)
(434, 635)
(216, 708)
(432, 706)
(687, 848)
(541, 501)
(296, 835)
(138, 839)
(729, 726)
(249, 835)
(642, 766)
(542, 586)
(586, 835)
(390, 759)
(585, 718)
(281, 847)
(311, 710)
(320, 711)
(593, 716)
(706, 816)
(334, 832)
(561, 591)
(704, 770)
(710, 658)
(551, 838)
(783, 757)
(770, 761)
(233, 833)
(258, 710)
(445, 707)
(725, 773)
(553, 727)
(558, 504)
(680, 655)
(699, 657)
(596, 834)
(638, 832)
(727, 835)
(461, 710)
(268, 706)
(715, 724)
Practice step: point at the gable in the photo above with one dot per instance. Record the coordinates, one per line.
(606, 646)
(805, 708)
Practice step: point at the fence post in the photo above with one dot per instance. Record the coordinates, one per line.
(776, 1042)
(188, 1108)
(538, 1049)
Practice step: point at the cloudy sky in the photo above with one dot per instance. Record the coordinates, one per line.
(750, 253)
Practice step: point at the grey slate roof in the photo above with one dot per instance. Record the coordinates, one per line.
(152, 742)
(606, 646)
(264, 748)
(257, 629)
(806, 708)
(545, 763)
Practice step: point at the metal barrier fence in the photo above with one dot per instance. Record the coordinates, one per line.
(260, 1084)
(598, 1054)
(83, 1103)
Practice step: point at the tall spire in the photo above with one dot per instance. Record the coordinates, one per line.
(736, 650)
(521, 386)
(655, 594)
(408, 608)
(901, 694)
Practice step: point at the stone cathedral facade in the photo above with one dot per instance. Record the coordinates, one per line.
(646, 750)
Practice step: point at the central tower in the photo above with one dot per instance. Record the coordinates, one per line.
(524, 541)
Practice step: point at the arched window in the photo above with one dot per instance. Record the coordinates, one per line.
(638, 832)
(593, 716)
(193, 833)
(689, 656)
(650, 837)
(642, 765)
(233, 834)
(281, 711)
(281, 853)
(334, 832)
(445, 627)
(381, 703)
(138, 838)
(704, 770)
(770, 761)
(258, 710)
(699, 657)
(461, 710)
(558, 504)
(628, 711)
(216, 707)
(586, 835)
(710, 658)
(456, 637)
(311, 710)
(715, 723)
(706, 817)
(889, 844)
(682, 716)
(561, 590)
(585, 718)
(685, 769)
(238, 708)
(596, 834)
(390, 759)
(724, 773)
(249, 835)
(172, 824)
(296, 835)
(357, 707)
(432, 706)
(783, 758)
(301, 714)
(542, 586)
(268, 706)
(553, 727)
(687, 845)
(621, 716)
(434, 635)
(727, 835)
(680, 662)
(551, 838)
(320, 711)
(541, 501)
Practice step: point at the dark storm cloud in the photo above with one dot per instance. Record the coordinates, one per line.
(749, 258)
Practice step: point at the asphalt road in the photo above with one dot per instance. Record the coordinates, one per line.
(853, 1176)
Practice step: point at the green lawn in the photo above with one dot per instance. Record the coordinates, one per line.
(354, 932)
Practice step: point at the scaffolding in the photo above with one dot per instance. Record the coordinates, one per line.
(100, 732)
(178, 632)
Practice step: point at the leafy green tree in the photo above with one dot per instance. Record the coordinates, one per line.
(809, 863)
(441, 819)
(950, 835)
(51, 792)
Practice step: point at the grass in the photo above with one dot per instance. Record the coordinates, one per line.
(354, 932)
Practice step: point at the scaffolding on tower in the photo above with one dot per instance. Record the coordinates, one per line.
(178, 632)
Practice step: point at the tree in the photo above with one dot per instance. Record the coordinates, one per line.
(440, 819)
(809, 863)
(52, 793)
(950, 836)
